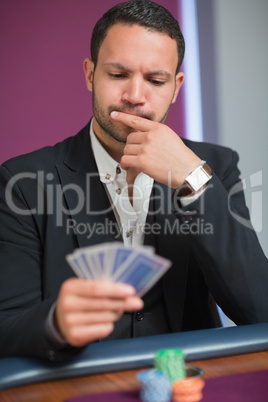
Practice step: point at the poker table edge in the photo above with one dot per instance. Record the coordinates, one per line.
(136, 353)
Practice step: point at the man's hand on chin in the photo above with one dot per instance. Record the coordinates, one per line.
(156, 150)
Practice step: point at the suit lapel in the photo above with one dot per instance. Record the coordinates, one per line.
(86, 200)
(172, 245)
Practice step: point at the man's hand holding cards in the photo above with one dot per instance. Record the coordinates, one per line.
(111, 280)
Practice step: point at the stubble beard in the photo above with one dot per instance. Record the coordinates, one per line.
(118, 133)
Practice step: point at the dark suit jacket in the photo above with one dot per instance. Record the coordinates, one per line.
(227, 265)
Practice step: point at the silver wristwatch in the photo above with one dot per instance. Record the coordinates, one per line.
(196, 180)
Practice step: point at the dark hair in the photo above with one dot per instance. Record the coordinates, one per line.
(145, 13)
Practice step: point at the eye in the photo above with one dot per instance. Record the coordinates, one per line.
(157, 82)
(117, 75)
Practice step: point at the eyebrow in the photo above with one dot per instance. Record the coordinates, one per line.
(128, 70)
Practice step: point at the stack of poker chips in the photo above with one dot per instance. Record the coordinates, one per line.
(168, 380)
(171, 363)
(155, 386)
(188, 390)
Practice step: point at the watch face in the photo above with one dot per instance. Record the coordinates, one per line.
(196, 180)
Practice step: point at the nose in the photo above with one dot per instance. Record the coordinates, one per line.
(134, 91)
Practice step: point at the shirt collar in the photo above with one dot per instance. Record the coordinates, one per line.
(107, 166)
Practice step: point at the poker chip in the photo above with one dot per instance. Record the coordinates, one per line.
(168, 379)
(155, 386)
(171, 362)
(188, 398)
(188, 390)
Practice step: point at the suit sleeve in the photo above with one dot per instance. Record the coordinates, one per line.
(226, 246)
(23, 309)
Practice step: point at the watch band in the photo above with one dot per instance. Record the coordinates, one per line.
(196, 180)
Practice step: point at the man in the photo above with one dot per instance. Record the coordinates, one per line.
(125, 168)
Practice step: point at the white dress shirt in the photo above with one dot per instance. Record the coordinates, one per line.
(131, 218)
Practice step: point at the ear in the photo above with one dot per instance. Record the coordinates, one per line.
(88, 66)
(179, 82)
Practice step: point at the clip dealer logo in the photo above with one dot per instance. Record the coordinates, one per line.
(256, 201)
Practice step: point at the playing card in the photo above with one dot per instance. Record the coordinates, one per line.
(76, 265)
(117, 254)
(142, 271)
(138, 266)
(92, 260)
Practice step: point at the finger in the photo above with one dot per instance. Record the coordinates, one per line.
(136, 137)
(85, 304)
(132, 149)
(92, 318)
(133, 161)
(82, 335)
(128, 304)
(136, 122)
(133, 304)
(96, 288)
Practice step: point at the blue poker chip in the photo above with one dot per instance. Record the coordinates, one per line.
(155, 386)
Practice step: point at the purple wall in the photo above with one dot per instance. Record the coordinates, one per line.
(43, 96)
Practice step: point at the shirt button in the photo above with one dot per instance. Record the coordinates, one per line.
(139, 316)
(108, 176)
(129, 233)
(118, 170)
(118, 191)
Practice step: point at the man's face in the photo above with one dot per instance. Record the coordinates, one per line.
(136, 74)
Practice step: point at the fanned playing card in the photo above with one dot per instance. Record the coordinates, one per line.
(139, 266)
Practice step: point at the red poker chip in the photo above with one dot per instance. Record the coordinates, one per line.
(188, 390)
(188, 386)
(187, 398)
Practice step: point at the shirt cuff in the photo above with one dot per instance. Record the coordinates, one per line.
(51, 331)
(185, 201)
